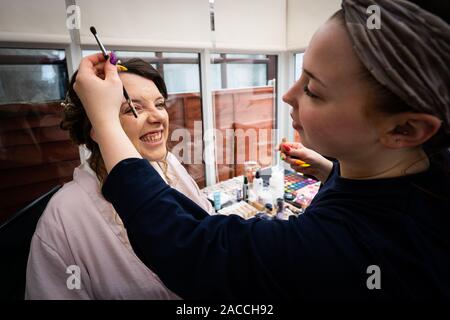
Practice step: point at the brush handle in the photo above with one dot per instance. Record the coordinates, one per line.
(127, 97)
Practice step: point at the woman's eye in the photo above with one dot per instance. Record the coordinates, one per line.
(309, 93)
(138, 108)
(161, 105)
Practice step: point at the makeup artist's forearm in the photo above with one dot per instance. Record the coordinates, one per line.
(115, 145)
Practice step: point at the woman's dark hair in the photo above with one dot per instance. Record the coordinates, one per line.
(389, 103)
(76, 121)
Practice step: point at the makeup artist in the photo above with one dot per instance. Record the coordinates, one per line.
(378, 101)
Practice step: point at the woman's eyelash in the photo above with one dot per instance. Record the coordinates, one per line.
(309, 93)
(139, 107)
(161, 105)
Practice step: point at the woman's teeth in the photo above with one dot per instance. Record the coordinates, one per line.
(152, 137)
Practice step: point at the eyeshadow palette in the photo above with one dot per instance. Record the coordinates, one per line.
(302, 188)
(294, 182)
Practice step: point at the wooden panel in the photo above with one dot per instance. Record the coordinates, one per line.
(184, 110)
(29, 110)
(33, 136)
(35, 154)
(36, 121)
(32, 155)
(14, 177)
(245, 109)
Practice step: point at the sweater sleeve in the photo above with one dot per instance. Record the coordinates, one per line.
(197, 255)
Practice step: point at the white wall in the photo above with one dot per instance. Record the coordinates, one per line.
(33, 21)
(241, 25)
(154, 23)
(304, 17)
(250, 24)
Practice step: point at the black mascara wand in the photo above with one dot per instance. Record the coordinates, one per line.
(125, 93)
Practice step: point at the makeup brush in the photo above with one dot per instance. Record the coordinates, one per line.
(105, 55)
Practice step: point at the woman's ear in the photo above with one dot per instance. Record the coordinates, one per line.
(93, 135)
(409, 129)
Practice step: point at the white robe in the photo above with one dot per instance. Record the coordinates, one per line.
(80, 228)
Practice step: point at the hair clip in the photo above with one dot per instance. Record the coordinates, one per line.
(121, 68)
(67, 102)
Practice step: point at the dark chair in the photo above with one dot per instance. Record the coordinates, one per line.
(15, 240)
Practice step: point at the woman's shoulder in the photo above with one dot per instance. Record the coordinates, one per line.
(76, 192)
(71, 203)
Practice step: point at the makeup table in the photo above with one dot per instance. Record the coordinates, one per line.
(299, 191)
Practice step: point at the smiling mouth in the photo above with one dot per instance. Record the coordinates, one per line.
(152, 137)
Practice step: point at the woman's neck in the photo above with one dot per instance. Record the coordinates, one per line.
(389, 164)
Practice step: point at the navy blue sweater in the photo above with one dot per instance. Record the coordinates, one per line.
(401, 225)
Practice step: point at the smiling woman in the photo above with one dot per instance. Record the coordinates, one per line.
(79, 227)
(148, 132)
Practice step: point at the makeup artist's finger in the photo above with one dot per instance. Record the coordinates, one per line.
(285, 147)
(297, 162)
(87, 64)
(302, 153)
(279, 147)
(100, 70)
(111, 71)
(290, 160)
(95, 58)
(100, 66)
(294, 145)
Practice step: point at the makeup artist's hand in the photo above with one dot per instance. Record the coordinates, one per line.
(101, 94)
(100, 90)
(305, 160)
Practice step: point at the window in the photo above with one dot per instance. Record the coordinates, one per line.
(244, 110)
(180, 70)
(28, 75)
(35, 154)
(298, 65)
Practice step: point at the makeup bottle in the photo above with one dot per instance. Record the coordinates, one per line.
(264, 196)
(276, 183)
(238, 194)
(245, 190)
(268, 208)
(217, 204)
(257, 184)
(281, 215)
